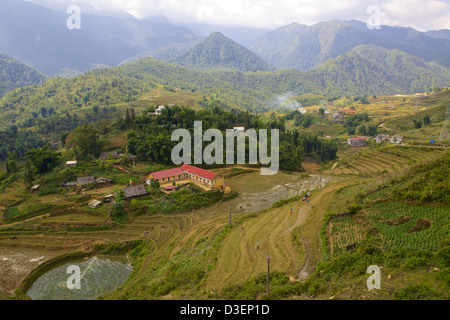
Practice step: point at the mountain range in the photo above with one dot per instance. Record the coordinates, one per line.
(332, 58)
(305, 47)
(40, 38)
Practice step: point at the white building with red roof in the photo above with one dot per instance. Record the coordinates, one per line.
(188, 172)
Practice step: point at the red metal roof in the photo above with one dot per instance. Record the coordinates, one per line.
(199, 172)
(166, 173)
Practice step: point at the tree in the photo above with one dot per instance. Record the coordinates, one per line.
(29, 173)
(119, 205)
(362, 130)
(11, 162)
(84, 140)
(417, 124)
(128, 118)
(426, 120)
(43, 112)
(321, 112)
(63, 138)
(154, 184)
(351, 131)
(372, 130)
(43, 159)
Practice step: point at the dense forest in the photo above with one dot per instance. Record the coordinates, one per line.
(150, 138)
(14, 74)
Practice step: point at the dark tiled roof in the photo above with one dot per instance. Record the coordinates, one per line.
(85, 180)
(134, 191)
(105, 155)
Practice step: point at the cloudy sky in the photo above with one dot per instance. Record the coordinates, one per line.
(420, 14)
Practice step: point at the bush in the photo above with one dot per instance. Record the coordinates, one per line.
(416, 292)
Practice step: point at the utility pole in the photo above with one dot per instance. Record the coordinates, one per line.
(268, 274)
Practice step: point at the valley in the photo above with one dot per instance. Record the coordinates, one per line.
(113, 158)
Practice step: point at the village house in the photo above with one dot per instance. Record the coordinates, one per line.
(337, 116)
(114, 155)
(83, 181)
(187, 172)
(347, 112)
(70, 164)
(134, 192)
(109, 198)
(103, 181)
(382, 137)
(357, 142)
(94, 204)
(157, 112)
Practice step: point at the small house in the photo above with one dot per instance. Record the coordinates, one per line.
(134, 192)
(103, 181)
(85, 180)
(105, 156)
(94, 204)
(108, 198)
(157, 112)
(35, 187)
(357, 142)
(348, 111)
(381, 137)
(397, 139)
(70, 164)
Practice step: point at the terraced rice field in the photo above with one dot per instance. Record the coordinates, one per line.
(167, 234)
(239, 259)
(374, 162)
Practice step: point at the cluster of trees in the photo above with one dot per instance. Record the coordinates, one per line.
(419, 123)
(300, 119)
(352, 122)
(150, 138)
(17, 141)
(85, 141)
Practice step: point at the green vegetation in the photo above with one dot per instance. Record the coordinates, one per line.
(189, 197)
(14, 74)
(219, 52)
(150, 138)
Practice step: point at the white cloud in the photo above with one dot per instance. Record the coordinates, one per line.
(420, 14)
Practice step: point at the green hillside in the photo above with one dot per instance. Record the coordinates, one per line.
(220, 52)
(369, 69)
(365, 70)
(14, 74)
